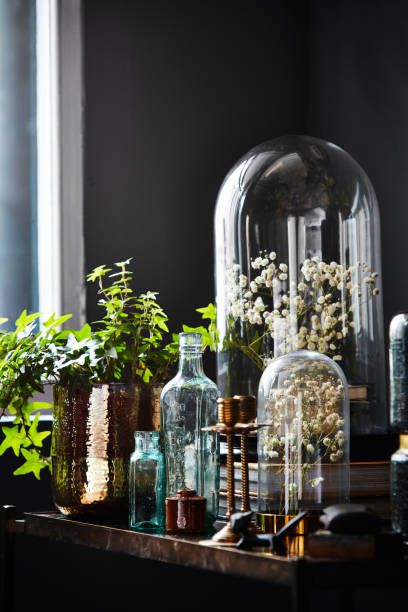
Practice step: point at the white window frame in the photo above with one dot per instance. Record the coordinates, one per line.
(60, 159)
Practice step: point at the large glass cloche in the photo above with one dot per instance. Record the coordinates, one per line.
(298, 266)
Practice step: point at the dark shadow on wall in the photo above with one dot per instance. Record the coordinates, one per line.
(175, 93)
(359, 99)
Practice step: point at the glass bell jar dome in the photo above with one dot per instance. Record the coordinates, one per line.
(303, 437)
(298, 266)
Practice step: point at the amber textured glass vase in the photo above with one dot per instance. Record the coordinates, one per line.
(92, 441)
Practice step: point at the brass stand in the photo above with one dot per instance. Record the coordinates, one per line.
(235, 415)
(247, 414)
(244, 473)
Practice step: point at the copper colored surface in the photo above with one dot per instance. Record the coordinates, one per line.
(185, 512)
(272, 523)
(230, 473)
(247, 408)
(225, 536)
(403, 441)
(236, 415)
(358, 392)
(245, 506)
(247, 414)
(91, 444)
(228, 410)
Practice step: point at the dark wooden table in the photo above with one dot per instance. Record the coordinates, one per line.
(299, 574)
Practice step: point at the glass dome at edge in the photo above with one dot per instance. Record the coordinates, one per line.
(305, 206)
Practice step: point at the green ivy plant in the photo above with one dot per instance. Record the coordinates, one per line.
(130, 343)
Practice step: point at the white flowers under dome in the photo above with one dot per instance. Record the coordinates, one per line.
(302, 442)
(315, 312)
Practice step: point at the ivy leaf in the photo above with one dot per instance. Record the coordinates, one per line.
(36, 436)
(29, 408)
(194, 330)
(84, 332)
(14, 438)
(161, 323)
(25, 319)
(39, 406)
(145, 374)
(123, 264)
(72, 343)
(198, 330)
(98, 273)
(33, 463)
(208, 312)
(56, 322)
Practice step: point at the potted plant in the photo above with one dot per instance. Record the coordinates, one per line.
(107, 379)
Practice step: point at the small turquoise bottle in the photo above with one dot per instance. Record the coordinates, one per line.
(147, 484)
(189, 404)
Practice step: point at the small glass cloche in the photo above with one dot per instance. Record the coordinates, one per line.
(303, 436)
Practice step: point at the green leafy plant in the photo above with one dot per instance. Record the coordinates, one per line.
(130, 343)
(209, 334)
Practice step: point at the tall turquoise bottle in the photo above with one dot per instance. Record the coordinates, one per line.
(189, 404)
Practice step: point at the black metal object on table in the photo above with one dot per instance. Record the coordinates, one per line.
(241, 523)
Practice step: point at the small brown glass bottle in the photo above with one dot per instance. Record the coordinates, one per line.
(185, 512)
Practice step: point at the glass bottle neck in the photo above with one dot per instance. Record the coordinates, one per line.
(191, 363)
(146, 441)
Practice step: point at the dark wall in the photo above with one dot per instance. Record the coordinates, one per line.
(175, 93)
(359, 100)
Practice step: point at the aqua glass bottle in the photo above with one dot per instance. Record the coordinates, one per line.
(189, 404)
(147, 484)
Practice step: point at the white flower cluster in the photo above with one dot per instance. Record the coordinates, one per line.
(315, 312)
(305, 433)
(304, 417)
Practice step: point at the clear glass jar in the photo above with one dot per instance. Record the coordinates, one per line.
(303, 439)
(298, 266)
(189, 404)
(147, 484)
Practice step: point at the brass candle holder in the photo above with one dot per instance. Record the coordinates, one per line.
(227, 418)
(247, 415)
(235, 415)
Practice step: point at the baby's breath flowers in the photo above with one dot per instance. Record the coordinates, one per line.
(305, 430)
(314, 311)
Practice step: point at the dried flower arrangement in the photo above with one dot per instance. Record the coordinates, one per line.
(271, 314)
(305, 431)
